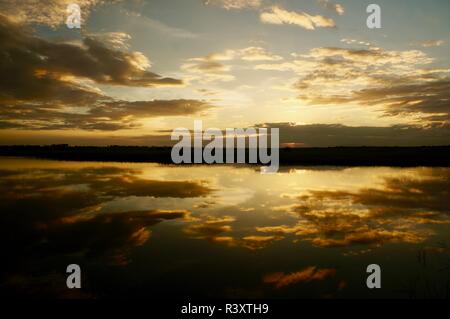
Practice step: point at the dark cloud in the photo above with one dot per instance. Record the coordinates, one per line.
(93, 60)
(102, 115)
(324, 135)
(49, 84)
(33, 58)
(31, 138)
(430, 97)
(291, 135)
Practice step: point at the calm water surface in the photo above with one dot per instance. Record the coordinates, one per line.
(148, 230)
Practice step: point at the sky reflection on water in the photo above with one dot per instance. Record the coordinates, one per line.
(146, 230)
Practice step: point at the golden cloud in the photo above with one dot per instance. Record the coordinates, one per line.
(394, 82)
(309, 274)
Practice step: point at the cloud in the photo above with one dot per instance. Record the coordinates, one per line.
(257, 54)
(371, 55)
(35, 59)
(102, 115)
(432, 43)
(326, 135)
(213, 68)
(116, 40)
(424, 98)
(392, 82)
(207, 70)
(49, 12)
(335, 7)
(356, 42)
(141, 21)
(390, 79)
(246, 54)
(309, 274)
(52, 84)
(291, 135)
(279, 16)
(102, 65)
(234, 4)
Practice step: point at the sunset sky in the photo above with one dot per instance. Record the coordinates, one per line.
(136, 70)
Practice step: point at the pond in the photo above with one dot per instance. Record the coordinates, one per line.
(150, 230)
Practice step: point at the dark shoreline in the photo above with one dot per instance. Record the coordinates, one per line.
(332, 156)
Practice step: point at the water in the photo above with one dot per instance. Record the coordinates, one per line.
(148, 230)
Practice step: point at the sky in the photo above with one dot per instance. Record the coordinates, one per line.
(136, 70)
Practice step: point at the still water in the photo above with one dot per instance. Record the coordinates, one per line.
(149, 230)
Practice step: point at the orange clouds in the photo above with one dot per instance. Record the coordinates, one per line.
(281, 280)
(392, 82)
